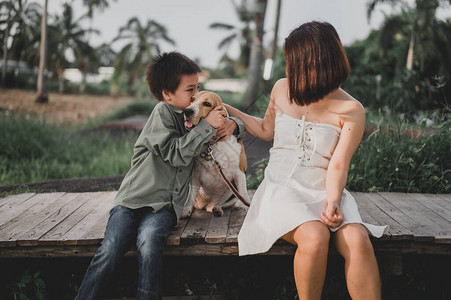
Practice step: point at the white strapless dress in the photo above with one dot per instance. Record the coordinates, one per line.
(294, 187)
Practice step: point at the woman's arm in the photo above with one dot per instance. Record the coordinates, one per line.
(337, 171)
(258, 127)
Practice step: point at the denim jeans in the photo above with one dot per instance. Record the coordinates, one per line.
(149, 230)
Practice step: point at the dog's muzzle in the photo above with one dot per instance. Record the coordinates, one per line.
(188, 112)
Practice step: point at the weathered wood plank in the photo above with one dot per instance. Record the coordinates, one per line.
(196, 229)
(30, 238)
(53, 236)
(218, 227)
(395, 230)
(10, 201)
(76, 234)
(30, 217)
(7, 214)
(434, 203)
(237, 216)
(363, 204)
(174, 237)
(429, 221)
(419, 233)
(38, 214)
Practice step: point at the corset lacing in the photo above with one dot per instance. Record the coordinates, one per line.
(302, 137)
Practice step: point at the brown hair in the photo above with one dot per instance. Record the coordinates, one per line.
(165, 71)
(316, 62)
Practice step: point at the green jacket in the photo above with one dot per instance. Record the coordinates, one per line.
(162, 162)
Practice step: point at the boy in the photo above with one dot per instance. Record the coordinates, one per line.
(155, 191)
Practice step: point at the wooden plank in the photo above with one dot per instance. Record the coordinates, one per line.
(8, 214)
(174, 237)
(434, 203)
(237, 216)
(363, 204)
(447, 201)
(55, 234)
(75, 234)
(395, 230)
(217, 230)
(28, 218)
(35, 215)
(196, 229)
(95, 235)
(10, 201)
(31, 237)
(419, 233)
(428, 220)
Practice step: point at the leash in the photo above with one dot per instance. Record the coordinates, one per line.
(208, 155)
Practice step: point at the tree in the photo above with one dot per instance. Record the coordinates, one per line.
(241, 34)
(26, 19)
(8, 21)
(142, 43)
(69, 37)
(41, 93)
(423, 28)
(255, 64)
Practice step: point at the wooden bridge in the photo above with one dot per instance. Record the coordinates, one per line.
(72, 224)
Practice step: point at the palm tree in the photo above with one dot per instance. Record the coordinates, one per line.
(241, 34)
(41, 93)
(142, 43)
(70, 37)
(422, 29)
(26, 20)
(8, 6)
(256, 59)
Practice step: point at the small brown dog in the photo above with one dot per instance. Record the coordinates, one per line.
(208, 187)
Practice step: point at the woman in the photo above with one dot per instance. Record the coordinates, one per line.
(316, 127)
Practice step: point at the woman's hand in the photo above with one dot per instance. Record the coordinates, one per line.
(333, 216)
(227, 130)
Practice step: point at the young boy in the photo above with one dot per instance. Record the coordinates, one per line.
(155, 191)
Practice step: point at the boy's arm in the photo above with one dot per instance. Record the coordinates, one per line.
(164, 140)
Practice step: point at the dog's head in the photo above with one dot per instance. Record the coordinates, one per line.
(203, 102)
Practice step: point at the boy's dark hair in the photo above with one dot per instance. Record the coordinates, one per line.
(165, 71)
(316, 63)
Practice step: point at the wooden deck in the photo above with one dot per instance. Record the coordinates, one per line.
(72, 224)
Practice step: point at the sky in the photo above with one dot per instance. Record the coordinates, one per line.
(187, 21)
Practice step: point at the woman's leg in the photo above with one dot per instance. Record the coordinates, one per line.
(310, 259)
(362, 273)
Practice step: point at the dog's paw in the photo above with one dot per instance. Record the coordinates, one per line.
(217, 211)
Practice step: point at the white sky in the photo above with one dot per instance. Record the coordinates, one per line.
(188, 21)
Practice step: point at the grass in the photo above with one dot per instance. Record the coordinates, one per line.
(32, 150)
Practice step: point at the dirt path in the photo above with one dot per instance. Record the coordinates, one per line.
(61, 109)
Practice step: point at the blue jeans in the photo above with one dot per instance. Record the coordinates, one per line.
(149, 230)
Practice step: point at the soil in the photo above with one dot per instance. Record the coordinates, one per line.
(61, 109)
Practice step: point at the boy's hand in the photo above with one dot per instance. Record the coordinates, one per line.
(216, 117)
(227, 130)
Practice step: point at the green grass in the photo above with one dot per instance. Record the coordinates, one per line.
(32, 150)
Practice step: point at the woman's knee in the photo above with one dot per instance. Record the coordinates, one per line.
(312, 237)
(353, 238)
